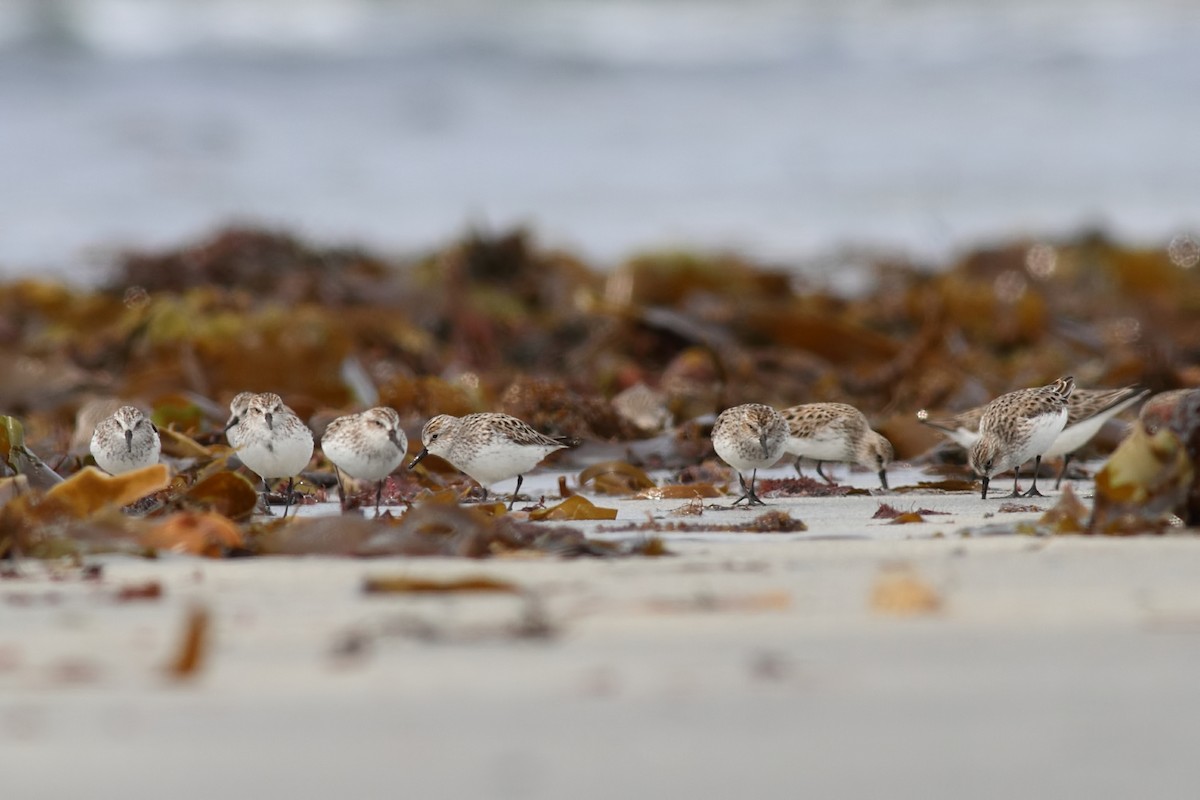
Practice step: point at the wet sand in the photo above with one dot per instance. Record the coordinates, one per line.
(743, 664)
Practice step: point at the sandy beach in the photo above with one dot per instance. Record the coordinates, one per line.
(769, 665)
(613, 222)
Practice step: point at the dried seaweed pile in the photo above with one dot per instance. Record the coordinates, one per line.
(495, 323)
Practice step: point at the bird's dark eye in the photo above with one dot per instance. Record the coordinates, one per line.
(377, 423)
(988, 465)
(433, 437)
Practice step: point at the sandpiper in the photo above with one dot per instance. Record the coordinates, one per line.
(125, 441)
(488, 447)
(1016, 427)
(367, 446)
(1087, 411)
(836, 432)
(750, 437)
(269, 439)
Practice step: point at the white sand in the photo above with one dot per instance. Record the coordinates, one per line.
(749, 666)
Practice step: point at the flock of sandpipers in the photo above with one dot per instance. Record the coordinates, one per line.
(274, 443)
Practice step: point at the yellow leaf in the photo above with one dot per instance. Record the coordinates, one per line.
(90, 489)
(178, 445)
(680, 491)
(574, 507)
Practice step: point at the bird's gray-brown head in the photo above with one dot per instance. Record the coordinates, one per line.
(984, 459)
(238, 407)
(132, 421)
(768, 427)
(386, 422)
(267, 406)
(437, 437)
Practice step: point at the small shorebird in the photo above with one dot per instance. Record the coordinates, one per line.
(1016, 427)
(269, 439)
(237, 411)
(488, 447)
(367, 446)
(750, 437)
(836, 432)
(1087, 411)
(125, 441)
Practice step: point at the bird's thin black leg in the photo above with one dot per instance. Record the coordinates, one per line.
(745, 490)
(755, 500)
(267, 498)
(1016, 492)
(748, 493)
(341, 490)
(1063, 472)
(1033, 490)
(287, 498)
(520, 479)
(822, 474)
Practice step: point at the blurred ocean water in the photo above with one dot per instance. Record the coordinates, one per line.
(783, 129)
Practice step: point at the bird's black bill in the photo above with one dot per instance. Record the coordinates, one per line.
(424, 452)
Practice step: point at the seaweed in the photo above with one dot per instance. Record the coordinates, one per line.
(899, 517)
(193, 645)
(574, 507)
(1016, 508)
(804, 486)
(770, 522)
(686, 491)
(408, 584)
(494, 321)
(616, 477)
(149, 590)
(1144, 483)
